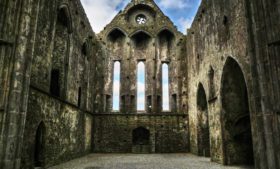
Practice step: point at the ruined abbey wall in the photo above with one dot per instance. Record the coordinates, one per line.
(154, 43)
(56, 83)
(223, 51)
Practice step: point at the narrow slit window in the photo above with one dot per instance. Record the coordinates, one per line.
(116, 86)
(141, 86)
(79, 96)
(165, 87)
(54, 86)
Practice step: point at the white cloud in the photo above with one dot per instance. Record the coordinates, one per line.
(171, 4)
(185, 23)
(101, 12)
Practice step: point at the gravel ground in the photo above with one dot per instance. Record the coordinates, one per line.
(143, 161)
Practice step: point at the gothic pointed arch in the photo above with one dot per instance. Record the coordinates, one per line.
(64, 15)
(39, 145)
(116, 30)
(141, 39)
(203, 132)
(236, 121)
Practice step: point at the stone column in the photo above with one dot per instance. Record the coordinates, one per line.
(13, 124)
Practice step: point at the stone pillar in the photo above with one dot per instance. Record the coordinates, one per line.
(14, 112)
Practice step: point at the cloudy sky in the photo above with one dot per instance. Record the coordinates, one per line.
(101, 12)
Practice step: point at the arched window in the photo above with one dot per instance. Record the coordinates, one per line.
(165, 87)
(116, 86)
(39, 146)
(141, 86)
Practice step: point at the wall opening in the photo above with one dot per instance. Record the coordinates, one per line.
(117, 40)
(132, 103)
(55, 86)
(123, 103)
(203, 123)
(108, 104)
(149, 103)
(64, 17)
(141, 40)
(79, 96)
(212, 91)
(141, 136)
(174, 103)
(116, 86)
(165, 87)
(166, 40)
(141, 86)
(39, 146)
(237, 136)
(159, 103)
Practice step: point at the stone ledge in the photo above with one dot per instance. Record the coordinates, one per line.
(59, 99)
(134, 114)
(212, 100)
(5, 42)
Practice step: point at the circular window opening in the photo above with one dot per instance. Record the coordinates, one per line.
(141, 19)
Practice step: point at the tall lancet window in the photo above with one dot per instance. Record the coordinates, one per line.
(116, 86)
(141, 86)
(165, 87)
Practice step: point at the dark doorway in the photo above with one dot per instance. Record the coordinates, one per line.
(141, 136)
(237, 136)
(39, 146)
(79, 97)
(174, 103)
(54, 86)
(203, 123)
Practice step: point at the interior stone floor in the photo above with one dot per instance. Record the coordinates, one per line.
(143, 161)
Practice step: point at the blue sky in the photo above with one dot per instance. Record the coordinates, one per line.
(101, 12)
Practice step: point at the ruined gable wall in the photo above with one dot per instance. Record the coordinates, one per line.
(155, 42)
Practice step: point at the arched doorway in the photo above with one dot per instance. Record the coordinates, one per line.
(141, 140)
(39, 146)
(237, 137)
(203, 123)
(141, 136)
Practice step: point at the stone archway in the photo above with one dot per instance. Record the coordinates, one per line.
(39, 145)
(237, 137)
(203, 134)
(141, 140)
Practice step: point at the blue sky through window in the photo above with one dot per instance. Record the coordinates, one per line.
(116, 86)
(141, 86)
(165, 87)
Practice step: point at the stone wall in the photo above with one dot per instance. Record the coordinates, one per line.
(114, 133)
(219, 32)
(56, 83)
(264, 51)
(155, 42)
(50, 55)
(64, 85)
(162, 43)
(235, 32)
(67, 131)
